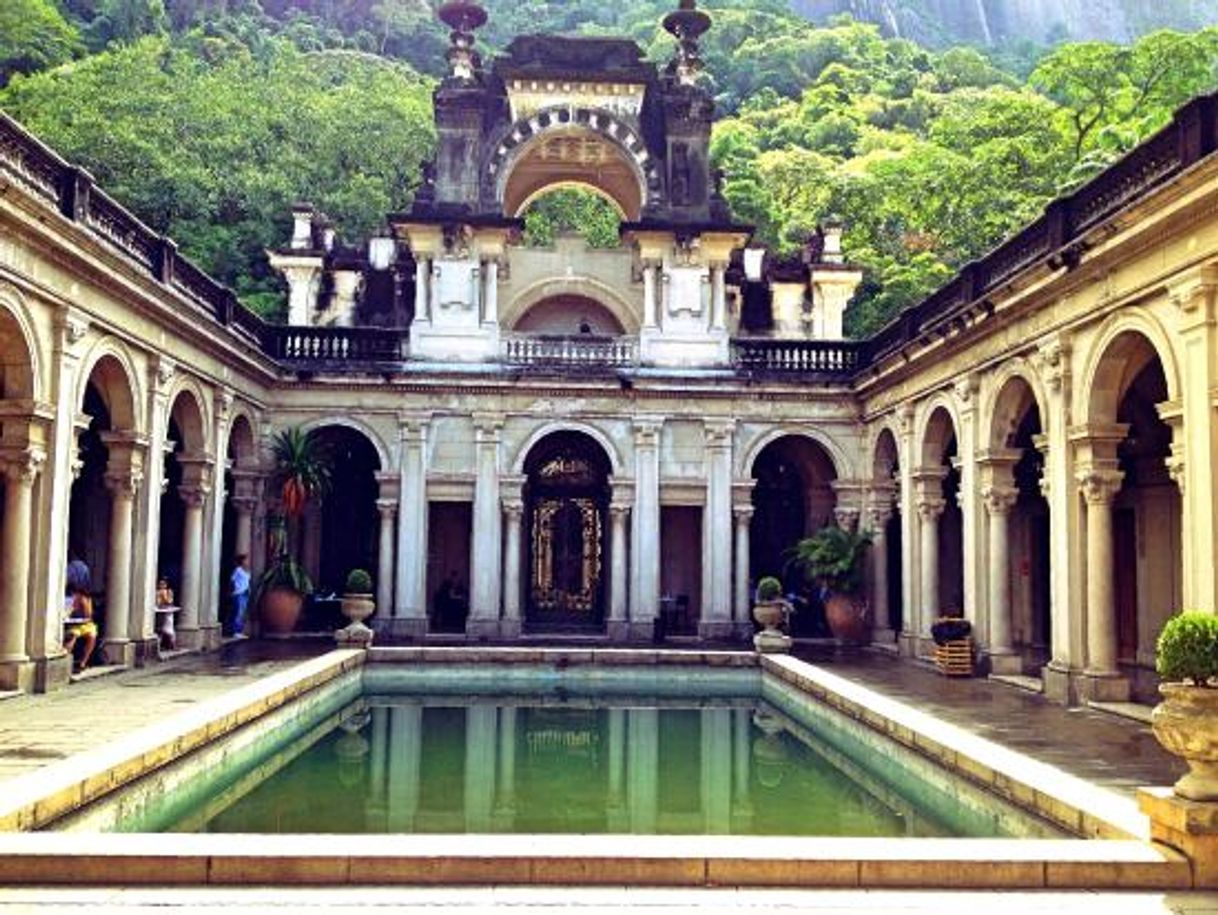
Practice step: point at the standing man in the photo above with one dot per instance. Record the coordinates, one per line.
(241, 592)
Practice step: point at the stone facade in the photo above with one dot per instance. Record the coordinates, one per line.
(1032, 446)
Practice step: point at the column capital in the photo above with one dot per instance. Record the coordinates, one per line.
(1176, 465)
(719, 432)
(647, 430)
(999, 499)
(1052, 361)
(622, 491)
(1099, 486)
(930, 508)
(487, 426)
(194, 496)
(387, 508)
(412, 427)
(743, 513)
(513, 510)
(1195, 294)
(243, 504)
(22, 467)
(878, 516)
(847, 517)
(124, 483)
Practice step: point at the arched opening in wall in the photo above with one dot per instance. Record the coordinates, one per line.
(1018, 432)
(340, 534)
(186, 484)
(940, 497)
(566, 525)
(1147, 572)
(571, 209)
(569, 316)
(887, 598)
(236, 524)
(793, 498)
(104, 446)
(574, 158)
(16, 385)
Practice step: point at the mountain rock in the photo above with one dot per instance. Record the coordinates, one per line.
(999, 22)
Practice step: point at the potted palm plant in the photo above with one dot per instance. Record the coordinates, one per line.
(832, 558)
(301, 473)
(1186, 721)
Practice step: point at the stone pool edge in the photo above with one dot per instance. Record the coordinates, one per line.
(1124, 860)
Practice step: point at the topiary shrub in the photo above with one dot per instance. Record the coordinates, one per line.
(359, 582)
(1187, 650)
(768, 589)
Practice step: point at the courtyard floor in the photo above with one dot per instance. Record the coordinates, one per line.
(1114, 752)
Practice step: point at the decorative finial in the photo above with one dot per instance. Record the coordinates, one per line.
(464, 17)
(687, 24)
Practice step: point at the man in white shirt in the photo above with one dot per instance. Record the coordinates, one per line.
(240, 591)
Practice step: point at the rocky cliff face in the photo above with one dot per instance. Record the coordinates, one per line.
(988, 22)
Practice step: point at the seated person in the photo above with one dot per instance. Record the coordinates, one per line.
(164, 593)
(82, 626)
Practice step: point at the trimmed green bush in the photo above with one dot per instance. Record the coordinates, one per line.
(359, 582)
(769, 588)
(1188, 648)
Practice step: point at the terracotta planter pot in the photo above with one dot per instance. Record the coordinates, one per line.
(280, 611)
(1186, 724)
(847, 617)
(770, 614)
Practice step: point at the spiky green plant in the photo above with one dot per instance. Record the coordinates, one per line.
(833, 557)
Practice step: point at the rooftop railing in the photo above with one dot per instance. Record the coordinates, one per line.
(569, 352)
(826, 358)
(333, 346)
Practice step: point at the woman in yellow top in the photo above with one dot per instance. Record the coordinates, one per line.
(81, 626)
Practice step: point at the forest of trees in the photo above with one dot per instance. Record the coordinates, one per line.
(209, 118)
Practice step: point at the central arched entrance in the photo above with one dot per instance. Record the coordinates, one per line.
(566, 512)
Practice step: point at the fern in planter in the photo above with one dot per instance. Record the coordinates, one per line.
(833, 557)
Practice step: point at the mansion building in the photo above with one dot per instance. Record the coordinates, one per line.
(567, 440)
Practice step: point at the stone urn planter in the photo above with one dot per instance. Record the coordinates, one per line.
(770, 610)
(1186, 721)
(358, 604)
(1186, 724)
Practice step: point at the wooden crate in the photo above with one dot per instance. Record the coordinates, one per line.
(955, 659)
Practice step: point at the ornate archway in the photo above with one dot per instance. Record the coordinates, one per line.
(566, 500)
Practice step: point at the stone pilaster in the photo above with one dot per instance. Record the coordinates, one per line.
(1101, 678)
(409, 615)
(485, 559)
(513, 558)
(194, 491)
(999, 501)
(645, 554)
(716, 621)
(929, 504)
(619, 597)
(387, 509)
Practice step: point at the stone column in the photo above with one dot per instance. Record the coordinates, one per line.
(481, 741)
(649, 294)
(244, 502)
(388, 510)
(491, 297)
(643, 763)
(999, 501)
(742, 758)
(422, 280)
(409, 617)
(485, 564)
(404, 769)
(716, 622)
(716, 728)
(718, 297)
(880, 612)
(123, 483)
(505, 804)
(1102, 678)
(645, 553)
(513, 515)
(20, 471)
(195, 497)
(743, 596)
(619, 513)
(930, 506)
(616, 800)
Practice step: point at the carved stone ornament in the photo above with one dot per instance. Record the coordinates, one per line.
(124, 484)
(22, 467)
(931, 508)
(999, 500)
(1100, 487)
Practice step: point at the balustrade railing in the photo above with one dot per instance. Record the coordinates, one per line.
(797, 357)
(331, 345)
(542, 350)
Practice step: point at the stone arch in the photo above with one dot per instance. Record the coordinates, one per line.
(1124, 345)
(241, 438)
(188, 410)
(357, 425)
(938, 423)
(885, 453)
(633, 179)
(110, 369)
(20, 356)
(548, 429)
(625, 313)
(572, 185)
(1014, 389)
(843, 468)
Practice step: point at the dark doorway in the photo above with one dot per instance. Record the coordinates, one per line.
(566, 509)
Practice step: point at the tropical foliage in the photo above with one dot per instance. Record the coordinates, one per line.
(833, 557)
(302, 469)
(1187, 649)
